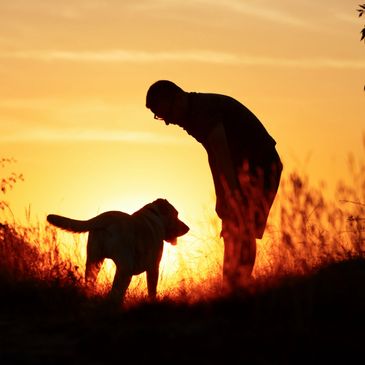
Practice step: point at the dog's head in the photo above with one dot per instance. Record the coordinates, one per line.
(174, 227)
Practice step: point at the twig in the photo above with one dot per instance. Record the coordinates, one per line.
(352, 202)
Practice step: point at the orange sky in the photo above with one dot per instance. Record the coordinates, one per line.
(74, 76)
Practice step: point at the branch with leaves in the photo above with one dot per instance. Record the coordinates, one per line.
(361, 11)
(7, 183)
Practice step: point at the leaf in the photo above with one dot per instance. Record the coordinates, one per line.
(361, 10)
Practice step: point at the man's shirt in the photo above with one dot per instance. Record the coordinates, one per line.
(247, 138)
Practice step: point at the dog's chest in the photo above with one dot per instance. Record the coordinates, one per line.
(136, 247)
(148, 247)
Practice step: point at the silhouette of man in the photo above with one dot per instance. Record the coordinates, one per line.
(244, 163)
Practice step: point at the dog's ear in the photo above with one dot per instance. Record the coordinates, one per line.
(173, 225)
(164, 207)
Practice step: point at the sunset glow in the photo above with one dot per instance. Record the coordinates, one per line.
(74, 76)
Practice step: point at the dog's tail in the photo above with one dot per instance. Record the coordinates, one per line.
(68, 224)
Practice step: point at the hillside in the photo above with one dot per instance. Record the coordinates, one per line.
(308, 319)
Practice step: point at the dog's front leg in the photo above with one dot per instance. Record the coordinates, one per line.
(120, 285)
(152, 280)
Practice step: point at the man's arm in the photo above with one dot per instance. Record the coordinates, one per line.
(220, 156)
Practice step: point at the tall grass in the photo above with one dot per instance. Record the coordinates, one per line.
(306, 231)
(33, 254)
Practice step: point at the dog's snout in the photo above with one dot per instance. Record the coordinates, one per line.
(175, 230)
(183, 228)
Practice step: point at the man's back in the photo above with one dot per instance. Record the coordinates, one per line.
(247, 138)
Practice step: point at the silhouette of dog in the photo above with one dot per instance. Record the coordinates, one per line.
(133, 241)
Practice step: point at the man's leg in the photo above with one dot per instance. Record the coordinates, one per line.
(247, 257)
(239, 254)
(230, 259)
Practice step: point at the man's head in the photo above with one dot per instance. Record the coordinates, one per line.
(162, 99)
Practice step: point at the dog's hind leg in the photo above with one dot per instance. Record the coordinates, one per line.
(92, 270)
(94, 257)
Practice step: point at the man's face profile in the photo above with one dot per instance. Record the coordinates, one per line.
(163, 110)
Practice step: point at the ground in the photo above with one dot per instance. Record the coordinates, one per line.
(299, 320)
